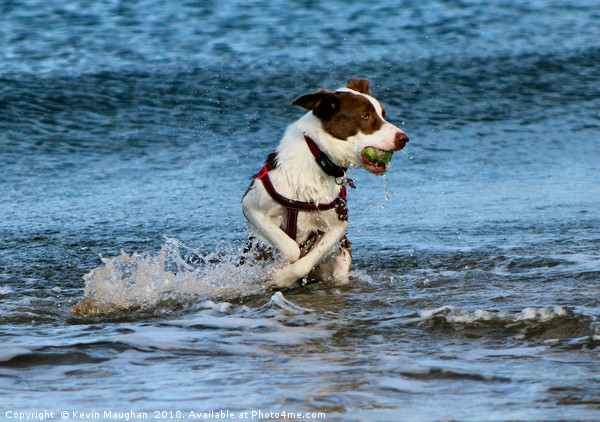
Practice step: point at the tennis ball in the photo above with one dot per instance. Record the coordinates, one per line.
(377, 156)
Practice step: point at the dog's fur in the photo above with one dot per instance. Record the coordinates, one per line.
(342, 124)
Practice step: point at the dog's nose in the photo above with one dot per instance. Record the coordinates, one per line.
(400, 141)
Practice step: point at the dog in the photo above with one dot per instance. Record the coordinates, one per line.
(297, 202)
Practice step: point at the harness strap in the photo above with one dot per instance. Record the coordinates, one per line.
(294, 206)
(292, 223)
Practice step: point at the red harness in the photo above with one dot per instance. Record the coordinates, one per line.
(294, 206)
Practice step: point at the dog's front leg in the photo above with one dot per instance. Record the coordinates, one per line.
(272, 233)
(290, 273)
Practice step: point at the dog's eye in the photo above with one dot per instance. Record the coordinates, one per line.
(364, 116)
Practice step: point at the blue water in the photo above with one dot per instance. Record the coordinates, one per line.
(128, 134)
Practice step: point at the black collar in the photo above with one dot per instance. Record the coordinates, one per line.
(323, 160)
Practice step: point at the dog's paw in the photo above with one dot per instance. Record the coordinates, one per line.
(284, 277)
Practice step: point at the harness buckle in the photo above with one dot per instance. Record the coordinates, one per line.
(262, 173)
(345, 181)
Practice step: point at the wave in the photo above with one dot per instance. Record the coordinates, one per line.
(554, 325)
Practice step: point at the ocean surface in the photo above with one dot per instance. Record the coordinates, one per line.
(129, 131)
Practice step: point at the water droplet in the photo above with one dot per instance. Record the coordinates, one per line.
(387, 196)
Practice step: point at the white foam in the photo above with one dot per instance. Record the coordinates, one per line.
(541, 314)
(221, 307)
(460, 317)
(280, 301)
(432, 312)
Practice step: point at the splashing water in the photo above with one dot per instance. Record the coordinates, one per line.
(176, 276)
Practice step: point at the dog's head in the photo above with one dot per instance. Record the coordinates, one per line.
(356, 125)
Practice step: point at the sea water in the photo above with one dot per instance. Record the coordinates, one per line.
(129, 133)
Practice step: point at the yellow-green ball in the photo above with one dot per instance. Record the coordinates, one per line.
(377, 156)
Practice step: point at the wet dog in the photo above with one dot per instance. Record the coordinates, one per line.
(297, 201)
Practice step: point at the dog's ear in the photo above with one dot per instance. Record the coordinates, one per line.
(359, 85)
(323, 103)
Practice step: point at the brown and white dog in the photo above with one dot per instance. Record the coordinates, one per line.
(297, 202)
